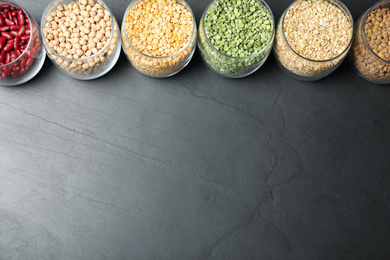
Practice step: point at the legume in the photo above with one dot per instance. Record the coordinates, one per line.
(157, 31)
(15, 36)
(77, 31)
(377, 33)
(237, 29)
(312, 31)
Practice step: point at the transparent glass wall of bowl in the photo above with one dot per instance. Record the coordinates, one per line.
(159, 67)
(228, 66)
(299, 67)
(91, 67)
(34, 55)
(365, 62)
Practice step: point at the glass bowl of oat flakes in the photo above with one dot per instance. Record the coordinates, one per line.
(313, 37)
(370, 53)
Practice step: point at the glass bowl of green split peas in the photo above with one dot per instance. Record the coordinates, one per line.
(236, 36)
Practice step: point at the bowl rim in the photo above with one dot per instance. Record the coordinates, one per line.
(56, 2)
(337, 56)
(270, 41)
(363, 22)
(190, 40)
(31, 22)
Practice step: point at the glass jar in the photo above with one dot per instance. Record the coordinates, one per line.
(90, 67)
(229, 66)
(31, 59)
(159, 66)
(365, 62)
(300, 67)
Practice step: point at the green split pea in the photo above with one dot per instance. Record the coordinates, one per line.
(238, 29)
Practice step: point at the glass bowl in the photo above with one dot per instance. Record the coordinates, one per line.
(229, 66)
(30, 61)
(299, 67)
(156, 66)
(90, 67)
(365, 62)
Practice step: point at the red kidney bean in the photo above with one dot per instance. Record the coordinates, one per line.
(9, 22)
(2, 42)
(2, 56)
(23, 48)
(21, 31)
(15, 27)
(16, 44)
(21, 19)
(28, 31)
(23, 63)
(30, 54)
(18, 52)
(14, 33)
(7, 35)
(25, 37)
(16, 68)
(23, 42)
(15, 20)
(13, 56)
(15, 74)
(4, 28)
(1, 63)
(8, 46)
(4, 6)
(22, 70)
(2, 21)
(5, 73)
(30, 62)
(7, 58)
(14, 12)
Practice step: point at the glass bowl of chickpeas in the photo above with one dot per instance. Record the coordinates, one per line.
(81, 37)
(370, 54)
(159, 36)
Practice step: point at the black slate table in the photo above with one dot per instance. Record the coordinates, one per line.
(194, 166)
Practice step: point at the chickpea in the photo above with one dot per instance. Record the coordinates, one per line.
(77, 31)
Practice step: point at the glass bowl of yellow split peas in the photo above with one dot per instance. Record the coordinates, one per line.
(81, 37)
(159, 36)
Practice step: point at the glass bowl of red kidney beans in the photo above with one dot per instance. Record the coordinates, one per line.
(21, 52)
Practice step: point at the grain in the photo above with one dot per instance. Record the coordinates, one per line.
(159, 28)
(313, 31)
(235, 37)
(372, 60)
(238, 28)
(159, 36)
(71, 33)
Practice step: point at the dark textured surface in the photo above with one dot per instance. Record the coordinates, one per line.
(194, 166)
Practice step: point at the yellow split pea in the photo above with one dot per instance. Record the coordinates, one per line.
(158, 29)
